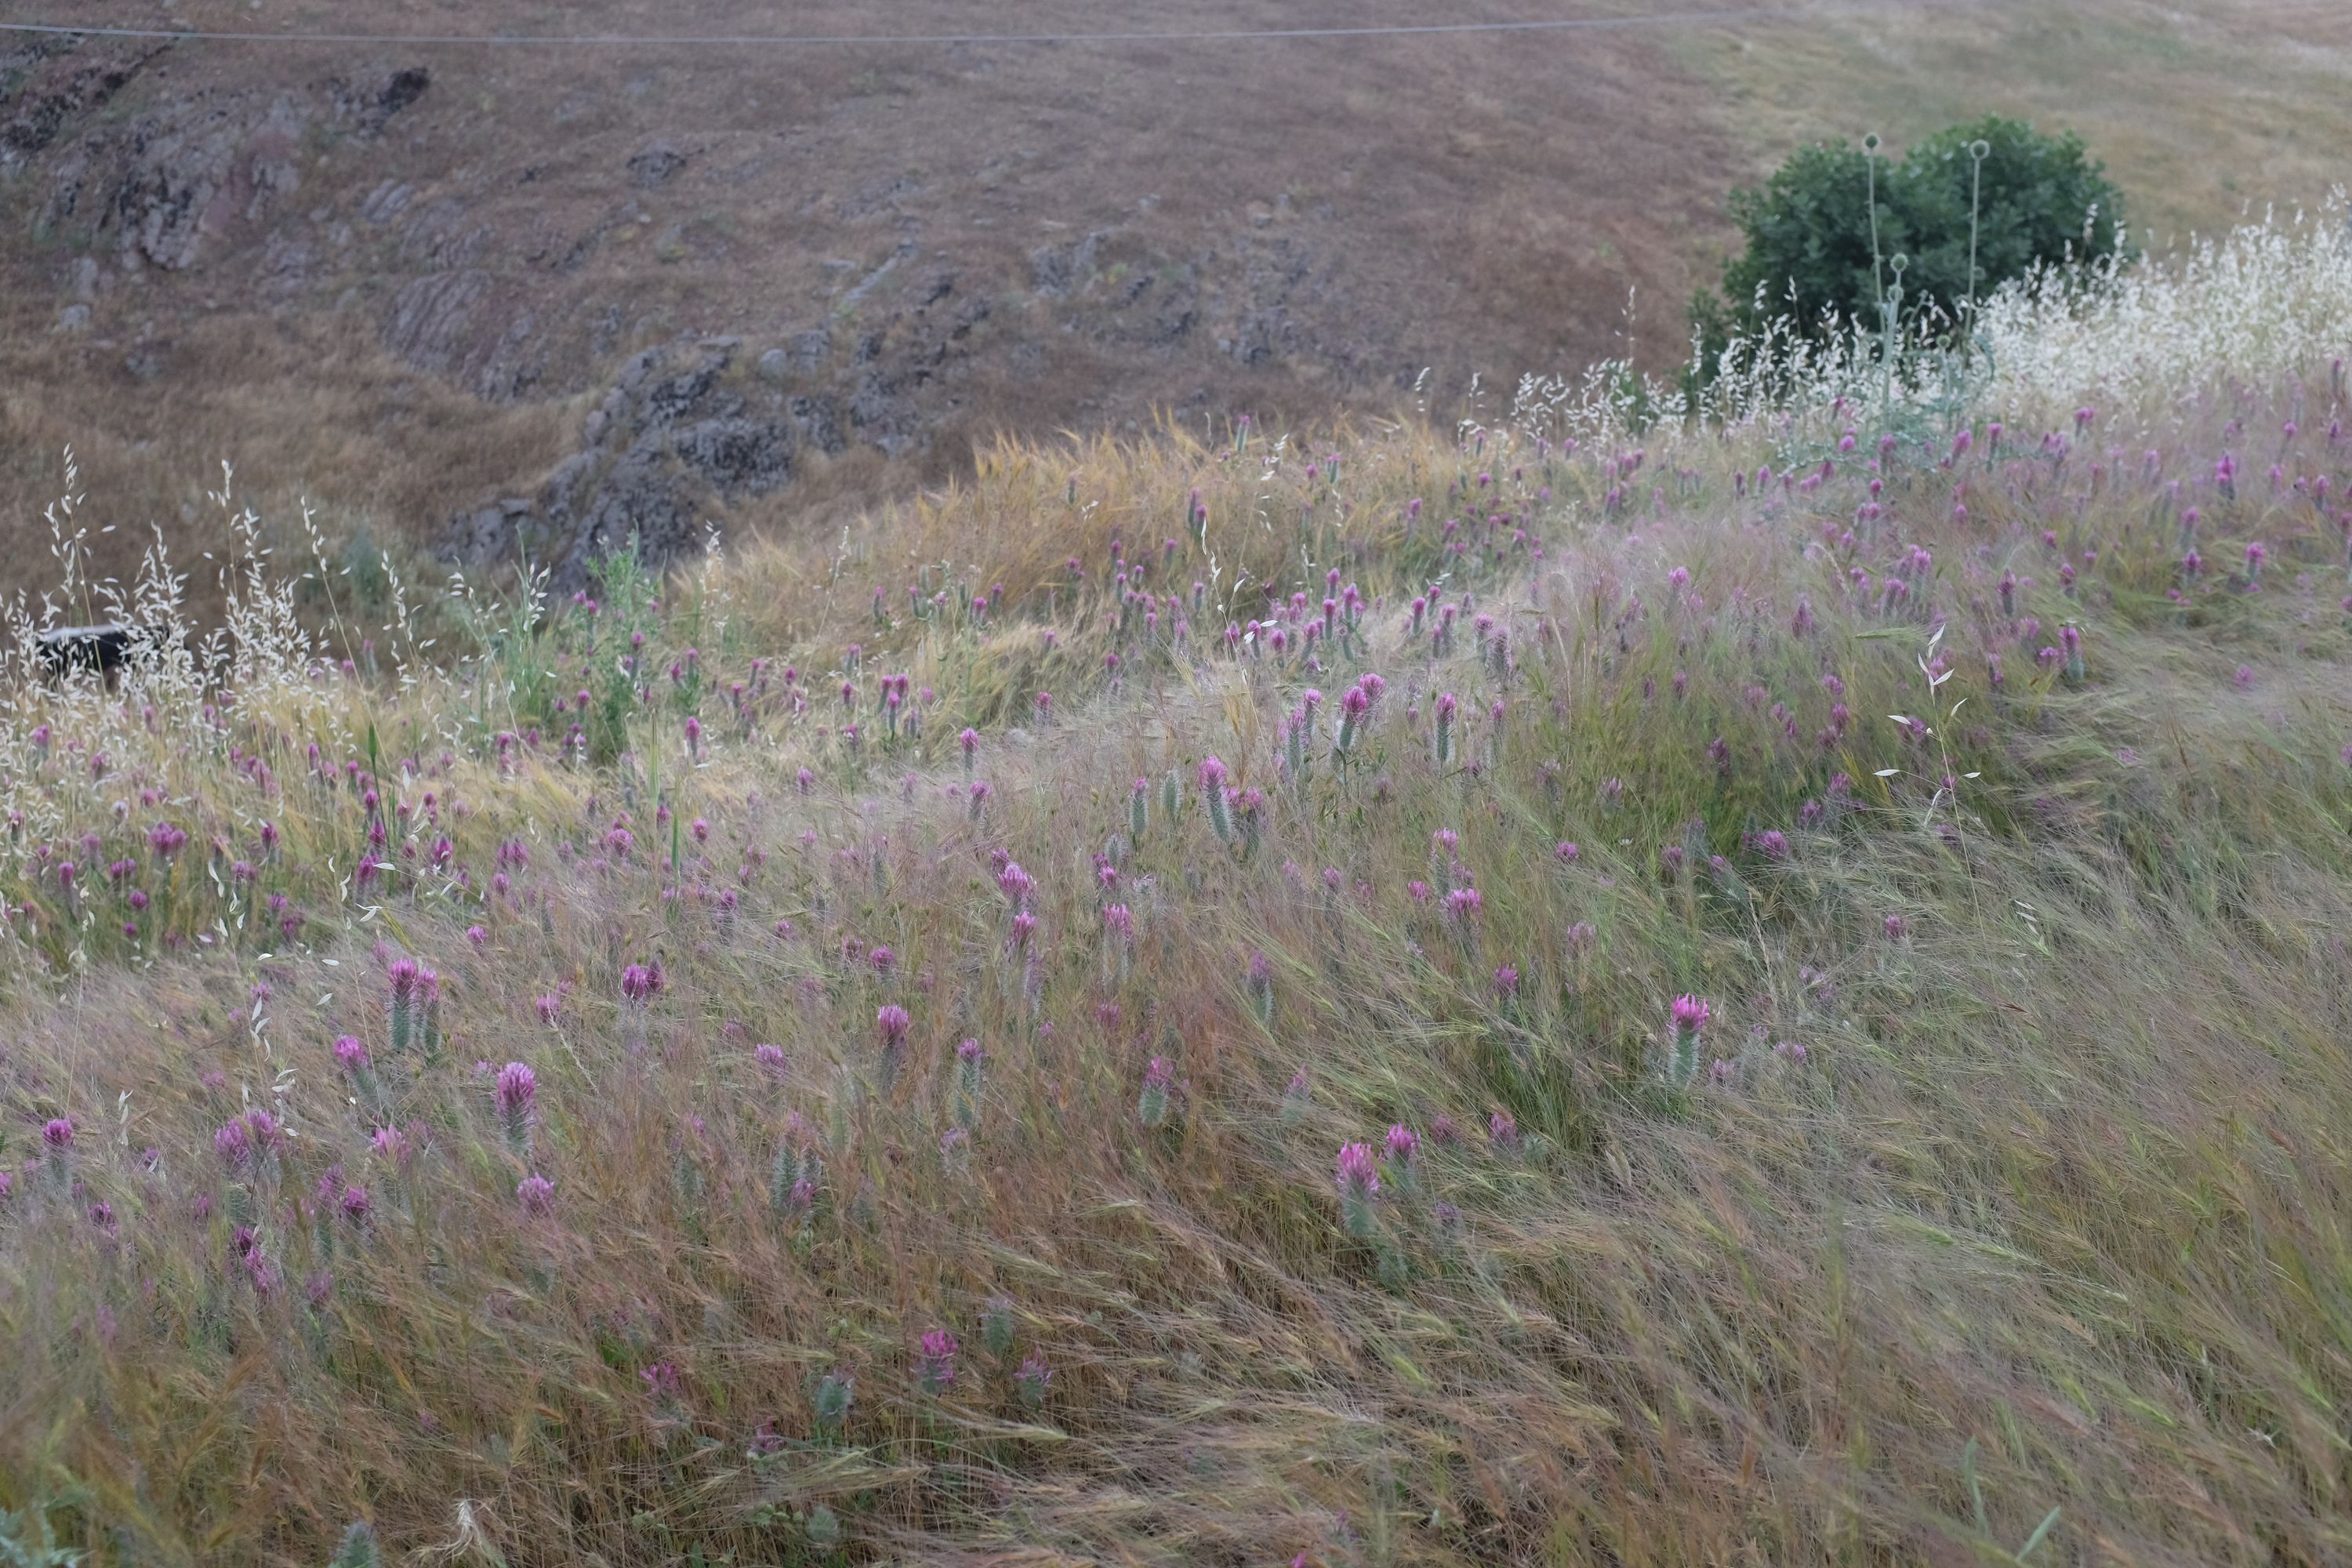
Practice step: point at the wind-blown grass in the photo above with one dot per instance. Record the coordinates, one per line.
(1331, 1174)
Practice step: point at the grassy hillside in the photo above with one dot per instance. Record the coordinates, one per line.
(1769, 991)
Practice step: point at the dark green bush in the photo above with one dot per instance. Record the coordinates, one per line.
(1809, 254)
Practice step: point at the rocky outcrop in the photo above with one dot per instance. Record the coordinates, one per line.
(684, 432)
(165, 181)
(469, 326)
(691, 428)
(161, 183)
(55, 84)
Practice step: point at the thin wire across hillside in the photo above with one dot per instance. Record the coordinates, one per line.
(751, 40)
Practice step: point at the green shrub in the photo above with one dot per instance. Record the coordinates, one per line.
(1812, 254)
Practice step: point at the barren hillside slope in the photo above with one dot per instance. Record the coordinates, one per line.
(468, 298)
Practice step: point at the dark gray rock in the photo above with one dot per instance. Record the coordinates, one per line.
(655, 165)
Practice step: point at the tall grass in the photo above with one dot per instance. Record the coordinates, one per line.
(1150, 1127)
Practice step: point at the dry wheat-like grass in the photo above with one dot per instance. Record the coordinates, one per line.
(1436, 997)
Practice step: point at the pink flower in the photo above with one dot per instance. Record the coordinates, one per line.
(1033, 1380)
(935, 1363)
(892, 1022)
(536, 1193)
(391, 1144)
(1690, 1015)
(1359, 1176)
(516, 1095)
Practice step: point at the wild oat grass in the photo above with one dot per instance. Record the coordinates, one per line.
(1800, 1020)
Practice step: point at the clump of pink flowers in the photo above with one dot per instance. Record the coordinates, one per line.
(641, 983)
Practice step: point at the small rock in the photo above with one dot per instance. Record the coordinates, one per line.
(656, 164)
(812, 348)
(403, 88)
(387, 201)
(74, 318)
(774, 366)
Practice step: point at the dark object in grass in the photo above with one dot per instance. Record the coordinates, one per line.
(101, 647)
